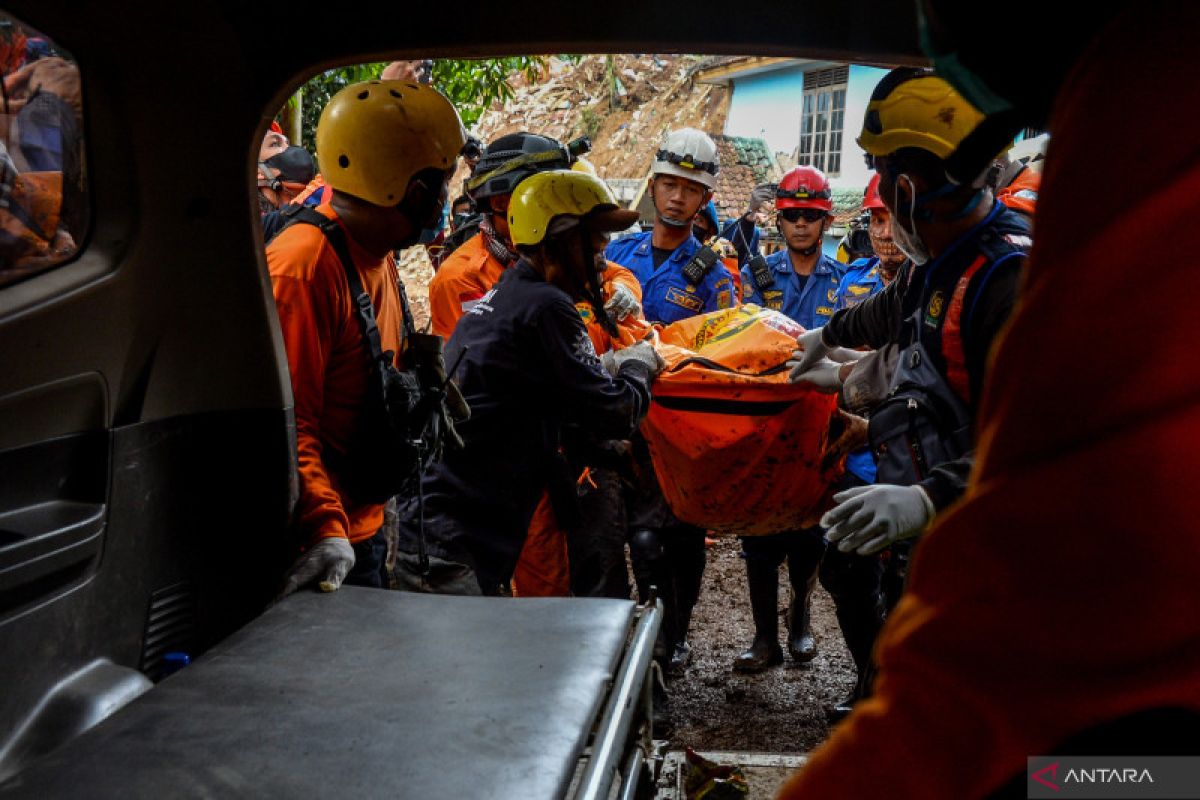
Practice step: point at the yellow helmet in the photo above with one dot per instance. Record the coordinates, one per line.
(545, 197)
(915, 108)
(373, 137)
(583, 165)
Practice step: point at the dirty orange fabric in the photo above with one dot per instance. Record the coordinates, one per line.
(543, 569)
(629, 328)
(460, 282)
(29, 223)
(329, 364)
(1022, 194)
(1061, 593)
(737, 448)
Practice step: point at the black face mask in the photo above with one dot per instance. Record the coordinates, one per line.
(293, 165)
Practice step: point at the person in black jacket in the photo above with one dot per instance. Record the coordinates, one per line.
(527, 368)
(968, 252)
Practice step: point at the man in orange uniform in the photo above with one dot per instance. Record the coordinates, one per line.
(387, 150)
(1053, 611)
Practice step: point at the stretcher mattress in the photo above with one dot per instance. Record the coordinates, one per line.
(362, 693)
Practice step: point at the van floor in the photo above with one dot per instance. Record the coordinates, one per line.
(711, 708)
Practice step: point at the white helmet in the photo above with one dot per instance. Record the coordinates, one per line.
(690, 154)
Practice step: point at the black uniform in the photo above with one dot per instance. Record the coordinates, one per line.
(528, 368)
(912, 311)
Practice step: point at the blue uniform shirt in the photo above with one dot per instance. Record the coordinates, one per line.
(811, 305)
(666, 295)
(862, 279)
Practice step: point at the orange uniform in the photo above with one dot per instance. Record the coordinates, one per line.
(328, 360)
(1061, 593)
(462, 279)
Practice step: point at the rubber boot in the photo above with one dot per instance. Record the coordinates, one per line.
(687, 556)
(802, 647)
(765, 652)
(650, 572)
(860, 623)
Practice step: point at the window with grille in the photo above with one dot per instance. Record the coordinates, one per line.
(822, 119)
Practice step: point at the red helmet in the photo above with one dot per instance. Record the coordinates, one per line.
(872, 200)
(804, 187)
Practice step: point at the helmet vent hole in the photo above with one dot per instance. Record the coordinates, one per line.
(343, 161)
(396, 94)
(364, 94)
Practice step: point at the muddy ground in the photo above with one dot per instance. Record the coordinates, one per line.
(779, 711)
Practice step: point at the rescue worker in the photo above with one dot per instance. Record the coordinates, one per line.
(282, 177)
(1062, 641)
(472, 270)
(682, 180)
(388, 149)
(968, 252)
(801, 282)
(667, 553)
(529, 368)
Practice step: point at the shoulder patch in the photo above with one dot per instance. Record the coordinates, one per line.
(683, 299)
(933, 312)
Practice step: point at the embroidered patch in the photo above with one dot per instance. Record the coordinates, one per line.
(585, 312)
(857, 290)
(724, 299)
(825, 311)
(772, 294)
(1019, 240)
(831, 295)
(683, 299)
(933, 312)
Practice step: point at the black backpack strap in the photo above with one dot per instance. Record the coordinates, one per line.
(363, 307)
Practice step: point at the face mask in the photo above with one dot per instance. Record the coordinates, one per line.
(962, 78)
(909, 243)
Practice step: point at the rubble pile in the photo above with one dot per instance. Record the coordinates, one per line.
(624, 107)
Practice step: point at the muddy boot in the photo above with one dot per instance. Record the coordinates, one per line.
(802, 647)
(765, 652)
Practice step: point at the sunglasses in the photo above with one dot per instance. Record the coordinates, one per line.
(807, 214)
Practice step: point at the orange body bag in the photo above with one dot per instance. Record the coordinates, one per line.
(738, 449)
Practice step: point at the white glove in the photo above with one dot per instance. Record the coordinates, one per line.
(642, 351)
(869, 518)
(844, 355)
(327, 561)
(622, 303)
(810, 348)
(825, 376)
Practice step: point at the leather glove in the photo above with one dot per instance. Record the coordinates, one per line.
(810, 349)
(825, 376)
(869, 518)
(328, 562)
(622, 303)
(760, 196)
(642, 351)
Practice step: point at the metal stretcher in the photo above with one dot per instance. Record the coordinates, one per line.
(370, 693)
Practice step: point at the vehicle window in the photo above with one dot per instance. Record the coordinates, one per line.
(43, 192)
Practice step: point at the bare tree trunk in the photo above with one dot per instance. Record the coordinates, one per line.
(293, 113)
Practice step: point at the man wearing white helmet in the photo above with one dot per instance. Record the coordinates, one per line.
(675, 283)
(680, 278)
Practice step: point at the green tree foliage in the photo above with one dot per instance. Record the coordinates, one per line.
(472, 85)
